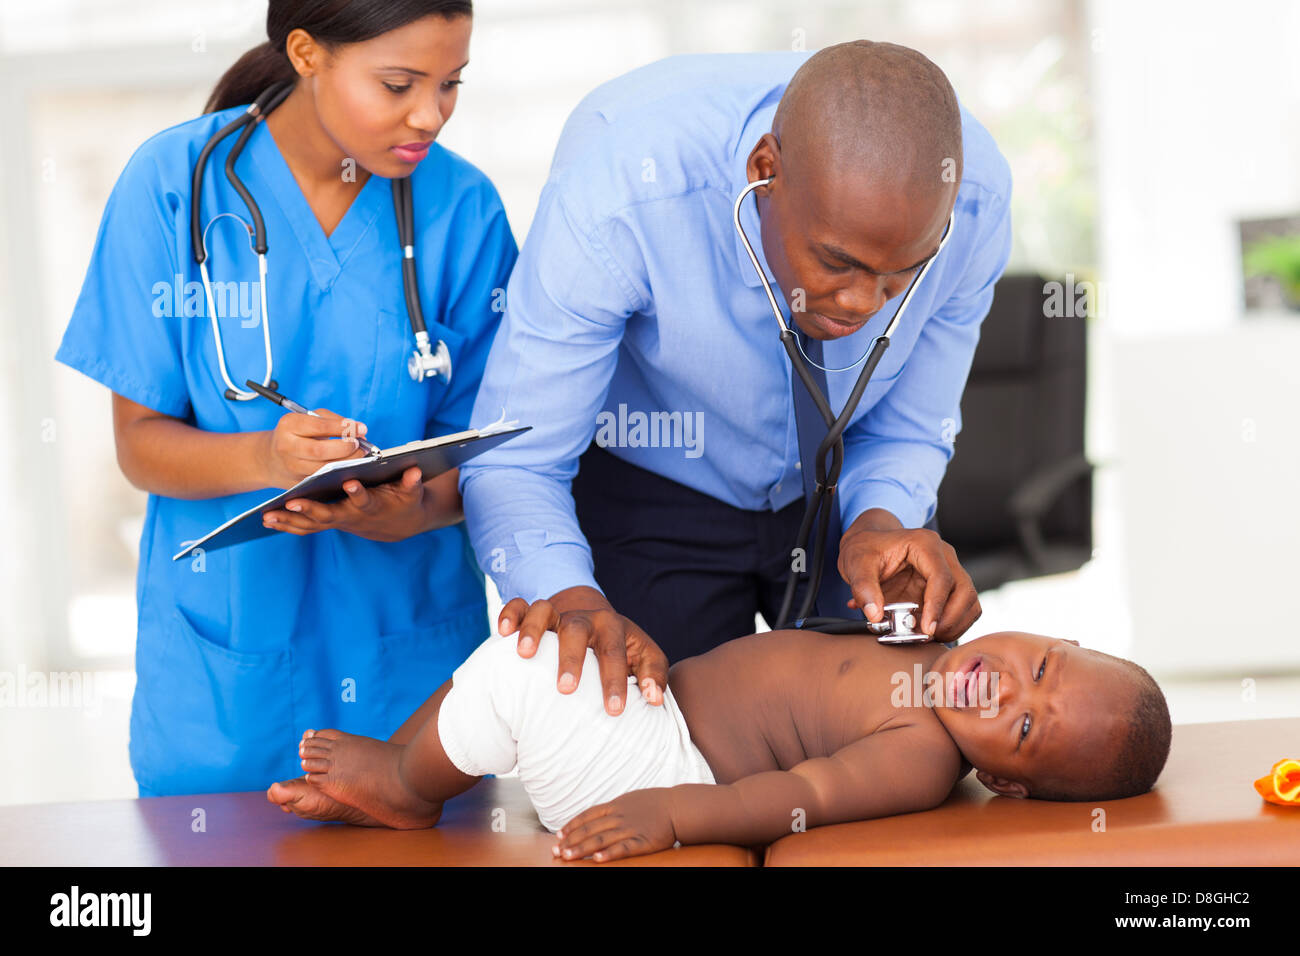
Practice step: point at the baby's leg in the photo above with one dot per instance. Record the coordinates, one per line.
(400, 786)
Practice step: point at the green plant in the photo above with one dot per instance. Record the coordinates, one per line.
(1279, 257)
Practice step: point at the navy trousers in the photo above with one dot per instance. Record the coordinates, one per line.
(690, 570)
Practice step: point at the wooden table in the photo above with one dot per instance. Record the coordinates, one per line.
(1203, 812)
(244, 829)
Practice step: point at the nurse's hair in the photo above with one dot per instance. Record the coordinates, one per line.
(330, 23)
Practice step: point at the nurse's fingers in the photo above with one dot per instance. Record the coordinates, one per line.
(313, 451)
(338, 425)
(312, 512)
(361, 499)
(292, 523)
(324, 424)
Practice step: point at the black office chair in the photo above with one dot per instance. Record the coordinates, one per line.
(1016, 501)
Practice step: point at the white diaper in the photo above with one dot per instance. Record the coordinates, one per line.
(504, 711)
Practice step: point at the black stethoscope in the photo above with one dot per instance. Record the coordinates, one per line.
(424, 363)
(819, 508)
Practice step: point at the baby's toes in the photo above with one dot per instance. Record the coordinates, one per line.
(317, 765)
(316, 747)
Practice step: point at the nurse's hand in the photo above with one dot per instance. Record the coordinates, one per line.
(389, 512)
(300, 444)
(885, 563)
(583, 618)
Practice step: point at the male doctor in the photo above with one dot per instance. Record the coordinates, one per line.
(635, 317)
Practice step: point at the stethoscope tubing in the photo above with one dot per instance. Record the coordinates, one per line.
(826, 477)
(425, 358)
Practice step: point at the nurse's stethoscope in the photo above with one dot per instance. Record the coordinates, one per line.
(899, 622)
(424, 363)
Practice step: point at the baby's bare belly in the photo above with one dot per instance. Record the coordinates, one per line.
(773, 700)
(725, 724)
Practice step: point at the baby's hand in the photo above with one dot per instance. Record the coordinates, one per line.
(631, 825)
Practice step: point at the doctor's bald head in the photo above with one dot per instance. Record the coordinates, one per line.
(865, 155)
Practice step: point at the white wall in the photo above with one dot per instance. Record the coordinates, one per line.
(1198, 125)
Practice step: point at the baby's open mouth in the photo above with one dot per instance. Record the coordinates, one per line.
(965, 683)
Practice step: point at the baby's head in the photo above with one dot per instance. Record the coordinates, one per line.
(1043, 717)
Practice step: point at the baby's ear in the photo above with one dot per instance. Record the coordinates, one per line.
(1002, 786)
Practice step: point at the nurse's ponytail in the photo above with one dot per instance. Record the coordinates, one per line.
(331, 23)
(252, 73)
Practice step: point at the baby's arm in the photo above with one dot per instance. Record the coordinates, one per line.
(900, 770)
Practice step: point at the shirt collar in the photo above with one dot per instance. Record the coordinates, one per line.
(759, 122)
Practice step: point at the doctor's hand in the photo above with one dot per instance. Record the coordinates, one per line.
(884, 563)
(300, 444)
(583, 618)
(389, 512)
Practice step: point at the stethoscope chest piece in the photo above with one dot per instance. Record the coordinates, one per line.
(899, 625)
(428, 362)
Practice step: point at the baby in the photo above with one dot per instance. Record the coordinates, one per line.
(760, 736)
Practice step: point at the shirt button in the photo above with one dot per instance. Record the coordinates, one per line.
(777, 488)
(798, 466)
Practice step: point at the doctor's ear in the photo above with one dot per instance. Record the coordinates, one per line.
(764, 161)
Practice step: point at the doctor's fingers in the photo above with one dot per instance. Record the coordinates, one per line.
(534, 621)
(649, 663)
(960, 613)
(934, 560)
(963, 605)
(575, 631)
(866, 589)
(614, 645)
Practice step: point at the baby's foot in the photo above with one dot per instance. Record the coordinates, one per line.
(300, 797)
(362, 772)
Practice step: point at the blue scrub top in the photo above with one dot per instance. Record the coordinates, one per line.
(242, 649)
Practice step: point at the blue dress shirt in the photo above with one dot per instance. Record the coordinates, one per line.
(635, 317)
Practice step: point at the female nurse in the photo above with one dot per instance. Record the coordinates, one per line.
(357, 610)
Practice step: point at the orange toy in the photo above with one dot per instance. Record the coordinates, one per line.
(1282, 785)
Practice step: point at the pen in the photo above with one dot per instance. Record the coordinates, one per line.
(285, 402)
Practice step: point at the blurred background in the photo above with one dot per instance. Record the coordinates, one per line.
(1155, 150)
